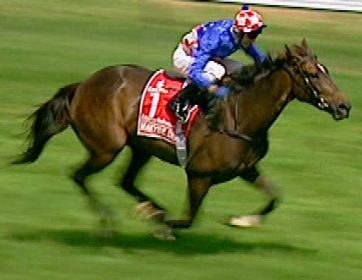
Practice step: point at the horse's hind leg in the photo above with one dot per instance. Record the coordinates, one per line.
(95, 163)
(147, 208)
(264, 185)
(197, 190)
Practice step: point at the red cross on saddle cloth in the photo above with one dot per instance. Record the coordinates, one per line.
(155, 119)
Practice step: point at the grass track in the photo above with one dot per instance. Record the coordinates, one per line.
(46, 230)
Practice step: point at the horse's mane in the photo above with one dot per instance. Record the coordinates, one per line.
(239, 80)
(242, 79)
(250, 74)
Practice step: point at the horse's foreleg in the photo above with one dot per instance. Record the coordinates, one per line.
(94, 164)
(269, 189)
(197, 190)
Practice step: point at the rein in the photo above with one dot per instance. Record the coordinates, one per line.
(235, 133)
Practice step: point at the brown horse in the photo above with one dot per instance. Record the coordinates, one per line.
(103, 110)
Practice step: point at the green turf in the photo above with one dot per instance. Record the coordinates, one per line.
(46, 229)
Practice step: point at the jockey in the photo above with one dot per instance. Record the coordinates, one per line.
(202, 55)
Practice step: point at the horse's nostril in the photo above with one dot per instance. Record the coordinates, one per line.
(344, 108)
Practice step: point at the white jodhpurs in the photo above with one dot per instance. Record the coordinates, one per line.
(213, 70)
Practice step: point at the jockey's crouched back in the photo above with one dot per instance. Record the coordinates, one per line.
(202, 55)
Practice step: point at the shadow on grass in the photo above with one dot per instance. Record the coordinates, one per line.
(186, 245)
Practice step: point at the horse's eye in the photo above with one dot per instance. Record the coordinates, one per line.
(311, 75)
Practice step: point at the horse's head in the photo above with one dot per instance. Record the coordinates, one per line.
(312, 82)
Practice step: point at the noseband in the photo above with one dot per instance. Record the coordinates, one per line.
(307, 82)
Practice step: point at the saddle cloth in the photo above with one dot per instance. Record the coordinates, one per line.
(155, 119)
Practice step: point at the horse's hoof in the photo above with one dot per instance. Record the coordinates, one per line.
(107, 228)
(142, 209)
(146, 211)
(246, 221)
(107, 232)
(164, 232)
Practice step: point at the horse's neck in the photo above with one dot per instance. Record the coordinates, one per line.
(262, 103)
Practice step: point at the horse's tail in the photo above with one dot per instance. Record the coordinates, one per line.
(49, 119)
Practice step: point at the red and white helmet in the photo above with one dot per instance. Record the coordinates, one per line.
(248, 20)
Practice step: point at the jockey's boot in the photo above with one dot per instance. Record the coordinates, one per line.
(180, 103)
(211, 109)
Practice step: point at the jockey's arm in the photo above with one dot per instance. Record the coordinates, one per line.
(255, 53)
(197, 75)
(197, 70)
(202, 56)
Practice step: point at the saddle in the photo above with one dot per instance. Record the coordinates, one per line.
(174, 75)
(156, 119)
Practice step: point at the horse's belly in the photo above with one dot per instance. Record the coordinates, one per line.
(225, 162)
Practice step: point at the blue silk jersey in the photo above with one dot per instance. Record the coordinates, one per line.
(216, 40)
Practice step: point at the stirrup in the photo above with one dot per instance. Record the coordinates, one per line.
(182, 111)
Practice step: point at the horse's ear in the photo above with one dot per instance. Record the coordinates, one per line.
(306, 48)
(304, 43)
(288, 51)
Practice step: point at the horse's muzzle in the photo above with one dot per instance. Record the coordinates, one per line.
(341, 111)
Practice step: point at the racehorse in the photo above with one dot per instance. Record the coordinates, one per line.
(103, 110)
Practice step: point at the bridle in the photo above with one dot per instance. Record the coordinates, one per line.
(318, 100)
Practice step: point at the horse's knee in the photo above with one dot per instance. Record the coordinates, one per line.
(267, 187)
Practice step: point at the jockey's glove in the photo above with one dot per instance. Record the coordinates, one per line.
(222, 92)
(267, 63)
(218, 91)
